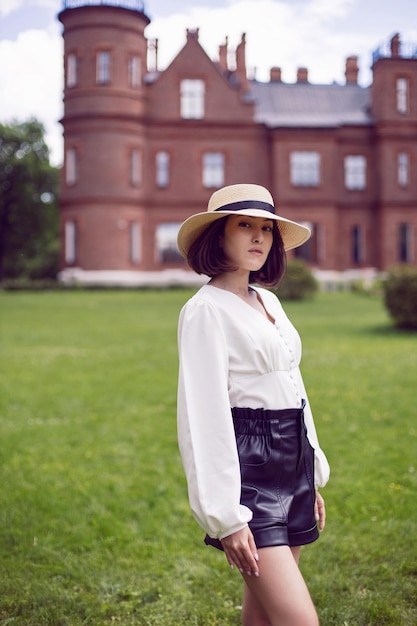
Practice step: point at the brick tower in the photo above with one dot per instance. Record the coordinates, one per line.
(394, 97)
(105, 61)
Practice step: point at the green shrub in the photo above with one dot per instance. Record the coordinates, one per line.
(298, 282)
(400, 295)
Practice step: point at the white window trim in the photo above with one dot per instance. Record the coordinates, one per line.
(166, 239)
(192, 98)
(70, 242)
(403, 169)
(134, 71)
(162, 169)
(402, 86)
(305, 168)
(135, 243)
(213, 169)
(71, 167)
(72, 70)
(103, 67)
(355, 167)
(136, 167)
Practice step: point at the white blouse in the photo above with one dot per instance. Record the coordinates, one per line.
(231, 355)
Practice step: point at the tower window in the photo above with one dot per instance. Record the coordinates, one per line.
(305, 169)
(213, 169)
(71, 166)
(402, 95)
(355, 172)
(103, 67)
(72, 70)
(192, 92)
(134, 72)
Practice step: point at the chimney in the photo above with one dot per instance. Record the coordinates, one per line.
(275, 74)
(152, 55)
(395, 45)
(352, 70)
(241, 64)
(302, 75)
(193, 32)
(223, 52)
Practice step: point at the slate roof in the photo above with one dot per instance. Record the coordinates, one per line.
(293, 105)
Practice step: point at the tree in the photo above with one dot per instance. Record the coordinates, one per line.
(29, 242)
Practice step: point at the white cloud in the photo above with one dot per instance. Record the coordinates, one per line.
(32, 84)
(9, 6)
(329, 10)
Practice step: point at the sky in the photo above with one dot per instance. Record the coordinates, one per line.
(317, 34)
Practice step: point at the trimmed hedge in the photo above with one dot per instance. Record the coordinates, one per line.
(298, 282)
(400, 296)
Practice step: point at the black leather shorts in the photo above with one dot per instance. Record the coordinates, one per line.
(277, 475)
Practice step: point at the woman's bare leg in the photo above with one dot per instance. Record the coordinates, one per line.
(252, 612)
(279, 596)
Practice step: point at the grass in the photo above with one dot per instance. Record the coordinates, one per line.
(95, 527)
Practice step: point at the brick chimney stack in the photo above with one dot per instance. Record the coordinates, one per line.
(302, 75)
(275, 74)
(223, 54)
(352, 70)
(241, 64)
(193, 32)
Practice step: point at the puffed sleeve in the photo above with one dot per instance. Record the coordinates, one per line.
(205, 427)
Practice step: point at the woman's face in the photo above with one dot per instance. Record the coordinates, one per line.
(246, 241)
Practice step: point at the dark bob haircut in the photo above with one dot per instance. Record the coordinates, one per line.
(206, 256)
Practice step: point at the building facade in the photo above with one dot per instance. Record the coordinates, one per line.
(144, 148)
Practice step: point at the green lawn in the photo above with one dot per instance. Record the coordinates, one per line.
(95, 527)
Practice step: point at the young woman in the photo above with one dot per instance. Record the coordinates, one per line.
(246, 433)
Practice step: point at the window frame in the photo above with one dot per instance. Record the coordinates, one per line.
(70, 242)
(403, 169)
(134, 71)
(402, 94)
(305, 168)
(405, 242)
(162, 169)
(171, 248)
(357, 244)
(213, 169)
(103, 67)
(135, 167)
(355, 168)
(72, 70)
(192, 98)
(71, 166)
(135, 242)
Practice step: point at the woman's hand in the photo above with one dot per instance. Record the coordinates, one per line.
(240, 550)
(320, 511)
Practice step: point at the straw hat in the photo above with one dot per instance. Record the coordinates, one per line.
(250, 200)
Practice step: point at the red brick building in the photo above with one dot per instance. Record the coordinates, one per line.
(144, 149)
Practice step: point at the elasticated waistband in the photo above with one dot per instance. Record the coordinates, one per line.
(261, 421)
